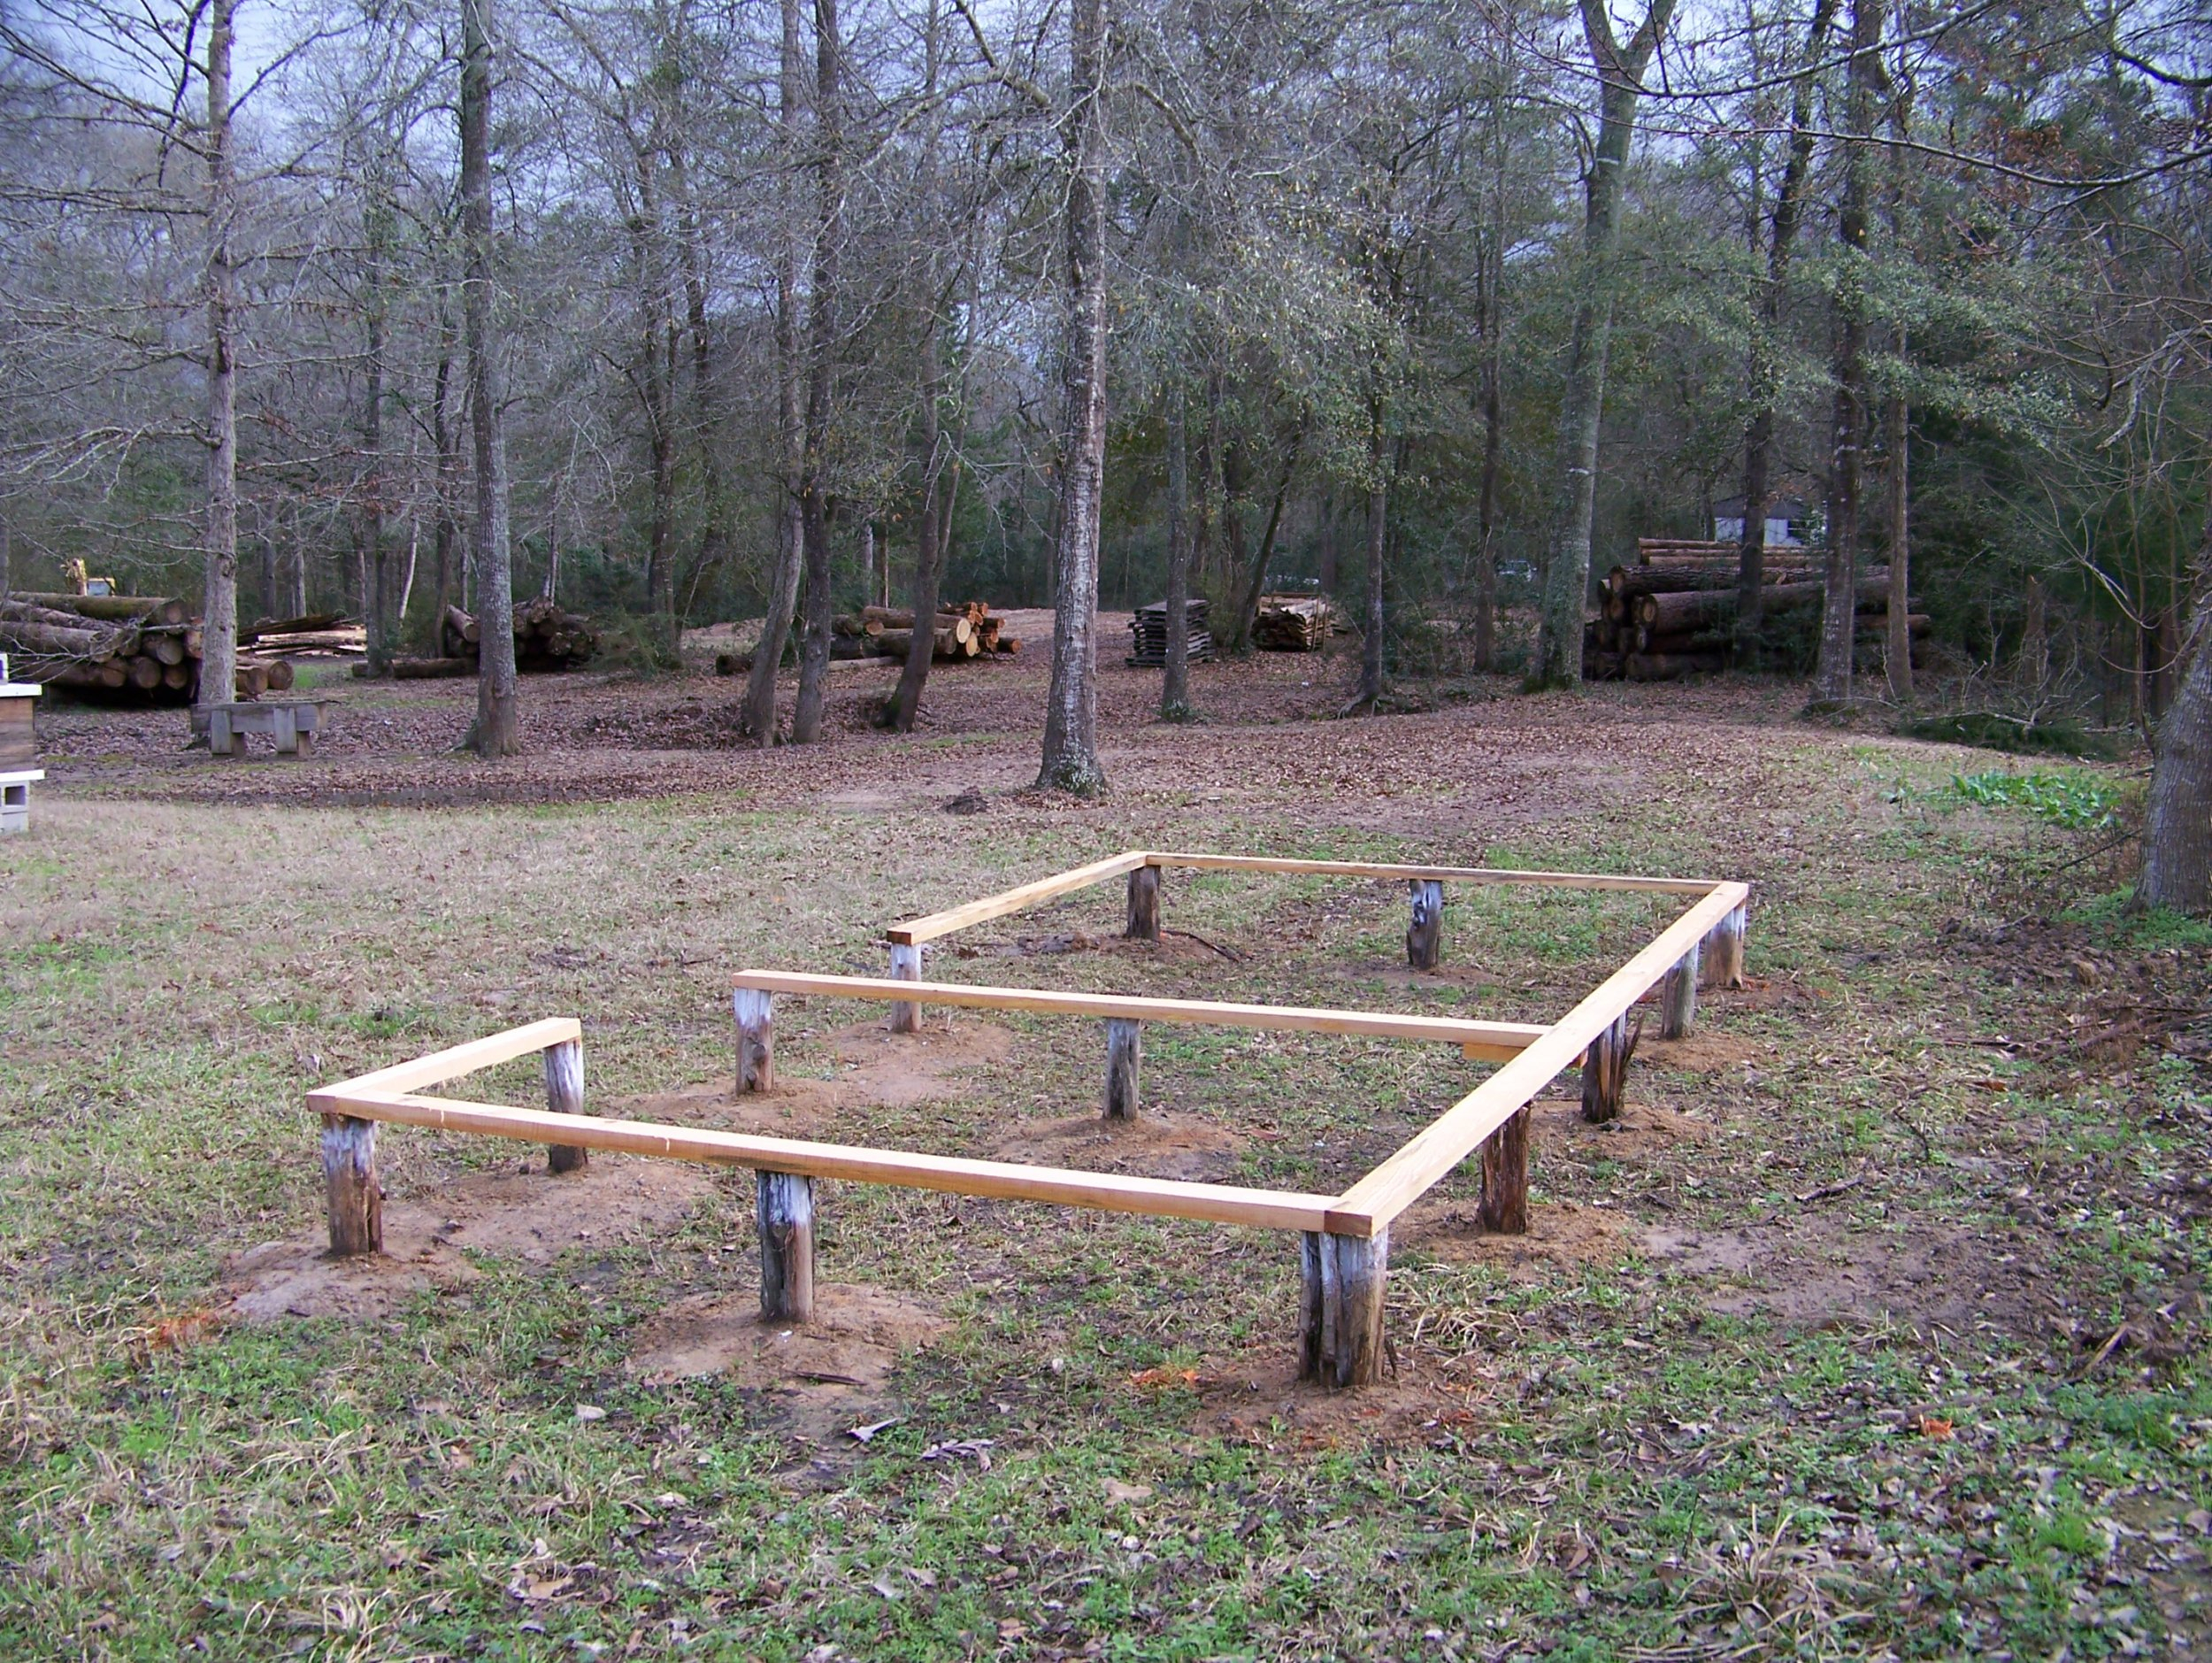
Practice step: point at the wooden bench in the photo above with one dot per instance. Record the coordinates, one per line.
(291, 723)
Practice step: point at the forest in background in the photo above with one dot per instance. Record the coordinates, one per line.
(745, 258)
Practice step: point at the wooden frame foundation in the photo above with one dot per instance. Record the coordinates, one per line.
(1344, 1239)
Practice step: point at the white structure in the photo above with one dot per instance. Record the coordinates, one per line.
(19, 747)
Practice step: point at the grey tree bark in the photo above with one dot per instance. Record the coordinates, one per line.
(1070, 748)
(379, 613)
(1831, 677)
(1175, 674)
(219, 641)
(760, 688)
(494, 732)
(1567, 561)
(814, 519)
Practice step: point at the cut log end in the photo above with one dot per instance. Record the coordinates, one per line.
(1678, 998)
(1504, 1209)
(755, 1015)
(564, 1095)
(906, 966)
(1124, 1058)
(1605, 1071)
(356, 1198)
(1144, 905)
(1425, 936)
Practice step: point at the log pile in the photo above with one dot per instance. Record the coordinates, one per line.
(1148, 633)
(957, 634)
(1674, 613)
(547, 639)
(146, 646)
(1291, 623)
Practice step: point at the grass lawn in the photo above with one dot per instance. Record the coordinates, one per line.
(1874, 1330)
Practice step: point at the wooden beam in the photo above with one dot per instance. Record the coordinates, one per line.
(1375, 1200)
(442, 1065)
(914, 931)
(1493, 1042)
(1443, 875)
(1109, 1192)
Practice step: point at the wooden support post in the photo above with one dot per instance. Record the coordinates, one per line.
(1505, 1178)
(1340, 1308)
(1144, 905)
(1605, 1071)
(786, 1213)
(906, 966)
(1677, 997)
(564, 1095)
(357, 1200)
(756, 1040)
(1722, 957)
(1425, 934)
(1124, 1058)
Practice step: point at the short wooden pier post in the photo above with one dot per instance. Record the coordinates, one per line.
(1340, 1308)
(785, 1209)
(564, 1095)
(1504, 1209)
(756, 1014)
(1425, 934)
(1605, 1072)
(906, 966)
(1125, 1061)
(1723, 956)
(1144, 905)
(357, 1199)
(1677, 997)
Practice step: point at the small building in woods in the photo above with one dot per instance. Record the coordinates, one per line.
(1787, 519)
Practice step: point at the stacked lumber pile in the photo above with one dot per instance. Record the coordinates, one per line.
(957, 634)
(1148, 632)
(547, 639)
(148, 646)
(1291, 623)
(1674, 613)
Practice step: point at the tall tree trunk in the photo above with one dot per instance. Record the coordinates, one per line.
(218, 640)
(814, 519)
(1070, 749)
(656, 344)
(2177, 830)
(760, 689)
(1487, 515)
(494, 733)
(1897, 648)
(706, 407)
(1831, 678)
(1370, 653)
(447, 464)
(383, 627)
(1175, 674)
(1567, 559)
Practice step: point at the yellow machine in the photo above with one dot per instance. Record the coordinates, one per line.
(81, 584)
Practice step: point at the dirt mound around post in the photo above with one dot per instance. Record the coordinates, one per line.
(522, 1213)
(1153, 1145)
(1701, 1053)
(1561, 1233)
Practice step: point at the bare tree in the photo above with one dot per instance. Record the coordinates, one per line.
(1567, 562)
(219, 649)
(1070, 749)
(494, 732)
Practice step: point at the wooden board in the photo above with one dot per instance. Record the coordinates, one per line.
(1112, 1192)
(1445, 874)
(1496, 1042)
(915, 930)
(1371, 1205)
(442, 1065)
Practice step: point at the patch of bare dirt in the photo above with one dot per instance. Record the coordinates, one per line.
(1560, 1233)
(527, 1215)
(816, 1382)
(1264, 1403)
(892, 1070)
(1701, 1053)
(1819, 1272)
(1472, 977)
(796, 1108)
(1153, 1145)
(1642, 1128)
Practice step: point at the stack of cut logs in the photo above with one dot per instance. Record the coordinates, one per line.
(970, 630)
(1148, 632)
(267, 647)
(547, 639)
(966, 631)
(147, 646)
(1291, 623)
(1674, 613)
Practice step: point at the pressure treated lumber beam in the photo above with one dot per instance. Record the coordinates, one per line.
(442, 1065)
(1445, 874)
(1109, 1192)
(1375, 1200)
(1493, 1042)
(914, 931)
